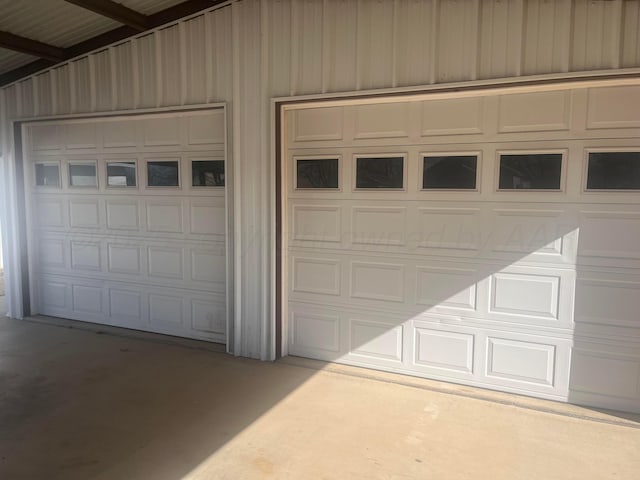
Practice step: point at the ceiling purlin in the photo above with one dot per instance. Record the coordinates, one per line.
(115, 11)
(31, 47)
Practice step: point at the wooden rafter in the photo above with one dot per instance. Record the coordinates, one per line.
(115, 11)
(31, 47)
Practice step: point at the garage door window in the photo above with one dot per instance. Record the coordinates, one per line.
(613, 171)
(320, 173)
(385, 172)
(452, 172)
(121, 174)
(531, 171)
(207, 173)
(163, 173)
(47, 175)
(83, 174)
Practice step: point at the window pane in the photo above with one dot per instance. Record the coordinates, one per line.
(614, 171)
(534, 171)
(317, 173)
(121, 174)
(382, 172)
(47, 175)
(456, 172)
(83, 175)
(207, 173)
(162, 174)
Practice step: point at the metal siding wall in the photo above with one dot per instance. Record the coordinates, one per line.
(254, 50)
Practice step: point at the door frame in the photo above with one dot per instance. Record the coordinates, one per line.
(25, 248)
(280, 106)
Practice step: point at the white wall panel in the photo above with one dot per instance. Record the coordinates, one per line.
(375, 41)
(500, 38)
(415, 41)
(546, 35)
(457, 51)
(630, 33)
(596, 35)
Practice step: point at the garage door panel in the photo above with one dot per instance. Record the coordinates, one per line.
(130, 255)
(462, 116)
(50, 212)
(454, 288)
(609, 234)
(207, 316)
(316, 223)
(318, 333)
(123, 215)
(598, 372)
(375, 341)
(608, 300)
(164, 216)
(449, 228)
(447, 352)
(540, 111)
(377, 281)
(378, 225)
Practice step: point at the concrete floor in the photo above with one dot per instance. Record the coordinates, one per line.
(82, 404)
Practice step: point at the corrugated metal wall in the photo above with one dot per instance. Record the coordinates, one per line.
(252, 50)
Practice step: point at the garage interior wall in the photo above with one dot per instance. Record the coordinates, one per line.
(247, 52)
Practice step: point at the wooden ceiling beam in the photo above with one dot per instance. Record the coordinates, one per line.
(115, 11)
(31, 47)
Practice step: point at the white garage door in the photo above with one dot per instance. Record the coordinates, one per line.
(127, 221)
(491, 240)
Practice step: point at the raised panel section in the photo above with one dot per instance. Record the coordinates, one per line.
(532, 112)
(528, 231)
(610, 234)
(521, 361)
(316, 223)
(452, 117)
(161, 131)
(164, 217)
(208, 266)
(449, 228)
(122, 133)
(446, 287)
(605, 374)
(206, 129)
(124, 259)
(379, 225)
(52, 253)
(525, 294)
(389, 120)
(314, 275)
(317, 124)
(85, 256)
(50, 213)
(608, 302)
(53, 294)
(608, 107)
(377, 281)
(207, 220)
(45, 137)
(86, 299)
(165, 262)
(81, 135)
(122, 215)
(375, 340)
(444, 350)
(208, 317)
(165, 310)
(84, 213)
(125, 304)
(314, 331)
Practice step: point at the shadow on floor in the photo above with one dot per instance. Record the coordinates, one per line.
(75, 403)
